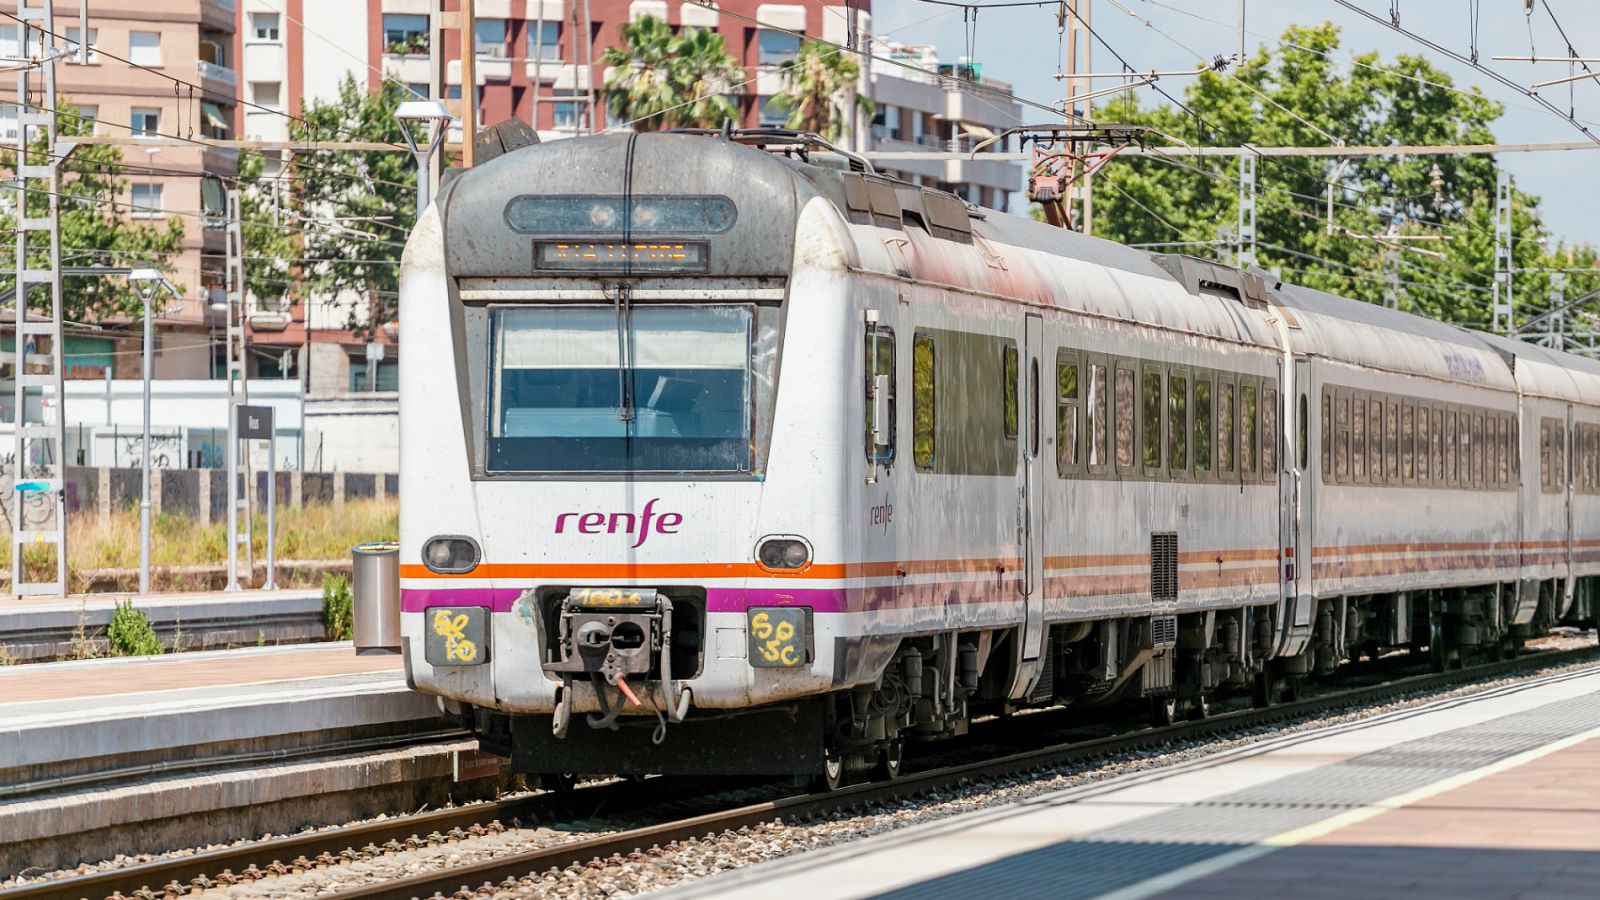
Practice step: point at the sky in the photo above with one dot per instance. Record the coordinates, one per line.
(1021, 46)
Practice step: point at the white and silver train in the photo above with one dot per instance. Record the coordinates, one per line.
(717, 460)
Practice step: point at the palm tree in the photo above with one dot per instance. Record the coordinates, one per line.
(662, 80)
(818, 83)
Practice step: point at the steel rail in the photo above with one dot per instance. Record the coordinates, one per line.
(472, 876)
(153, 876)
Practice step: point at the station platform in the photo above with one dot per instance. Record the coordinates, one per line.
(151, 742)
(1491, 796)
(55, 628)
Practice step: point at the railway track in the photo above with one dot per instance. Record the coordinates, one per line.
(257, 860)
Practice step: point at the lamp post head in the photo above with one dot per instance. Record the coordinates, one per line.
(427, 119)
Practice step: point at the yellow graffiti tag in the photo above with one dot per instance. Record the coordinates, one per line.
(456, 645)
(774, 641)
(606, 597)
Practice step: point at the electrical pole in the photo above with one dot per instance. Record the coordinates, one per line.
(1503, 320)
(469, 83)
(238, 396)
(1246, 256)
(1391, 277)
(39, 511)
(1558, 302)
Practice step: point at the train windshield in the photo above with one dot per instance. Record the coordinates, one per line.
(645, 388)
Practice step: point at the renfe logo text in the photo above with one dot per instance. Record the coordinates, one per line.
(626, 523)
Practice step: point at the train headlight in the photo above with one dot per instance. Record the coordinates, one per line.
(451, 554)
(783, 553)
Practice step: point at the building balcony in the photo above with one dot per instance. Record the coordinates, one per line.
(409, 68)
(219, 79)
(264, 62)
(218, 14)
(493, 68)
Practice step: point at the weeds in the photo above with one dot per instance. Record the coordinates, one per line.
(130, 632)
(337, 608)
(82, 644)
(6, 659)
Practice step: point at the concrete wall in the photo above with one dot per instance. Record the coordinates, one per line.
(353, 432)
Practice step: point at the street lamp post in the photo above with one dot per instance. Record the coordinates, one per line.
(149, 283)
(428, 120)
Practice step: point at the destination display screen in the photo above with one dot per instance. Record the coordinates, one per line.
(612, 256)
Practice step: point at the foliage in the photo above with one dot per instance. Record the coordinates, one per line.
(817, 83)
(349, 210)
(1296, 95)
(95, 225)
(661, 80)
(130, 632)
(338, 607)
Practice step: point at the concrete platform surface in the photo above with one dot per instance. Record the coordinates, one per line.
(112, 710)
(1496, 795)
(54, 628)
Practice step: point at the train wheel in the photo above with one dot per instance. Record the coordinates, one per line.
(1292, 687)
(1200, 706)
(1163, 711)
(1438, 653)
(889, 762)
(1261, 691)
(831, 778)
(559, 784)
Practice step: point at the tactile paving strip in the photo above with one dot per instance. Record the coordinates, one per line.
(1097, 862)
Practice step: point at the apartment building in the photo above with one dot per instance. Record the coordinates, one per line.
(156, 68)
(925, 104)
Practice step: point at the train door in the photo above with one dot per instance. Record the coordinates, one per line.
(1296, 496)
(1032, 489)
(1569, 469)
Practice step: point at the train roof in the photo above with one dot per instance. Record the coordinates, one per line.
(1546, 372)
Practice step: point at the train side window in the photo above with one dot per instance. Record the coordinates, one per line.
(1464, 448)
(1328, 436)
(1303, 423)
(1479, 450)
(1503, 461)
(1067, 415)
(1558, 456)
(1249, 428)
(1544, 455)
(1439, 447)
(1008, 368)
(1375, 439)
(1408, 441)
(1202, 426)
(880, 363)
(1098, 394)
(922, 400)
(1150, 421)
(1269, 431)
(1226, 440)
(1451, 473)
(1178, 424)
(1122, 404)
(1341, 447)
(1424, 437)
(1033, 407)
(1358, 440)
(1391, 440)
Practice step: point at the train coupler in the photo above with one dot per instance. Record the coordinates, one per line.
(609, 634)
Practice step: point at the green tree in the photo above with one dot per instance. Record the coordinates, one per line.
(820, 90)
(1295, 95)
(348, 212)
(662, 80)
(95, 225)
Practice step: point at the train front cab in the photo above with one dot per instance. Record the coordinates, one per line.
(639, 512)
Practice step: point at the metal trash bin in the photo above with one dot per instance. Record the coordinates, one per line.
(375, 591)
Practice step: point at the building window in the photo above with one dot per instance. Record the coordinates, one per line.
(564, 114)
(404, 34)
(264, 26)
(388, 376)
(489, 37)
(770, 115)
(777, 47)
(8, 121)
(144, 48)
(94, 39)
(146, 121)
(544, 40)
(146, 200)
(267, 93)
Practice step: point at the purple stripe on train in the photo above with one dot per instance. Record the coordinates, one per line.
(717, 599)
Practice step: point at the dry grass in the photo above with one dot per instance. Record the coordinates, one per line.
(315, 532)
